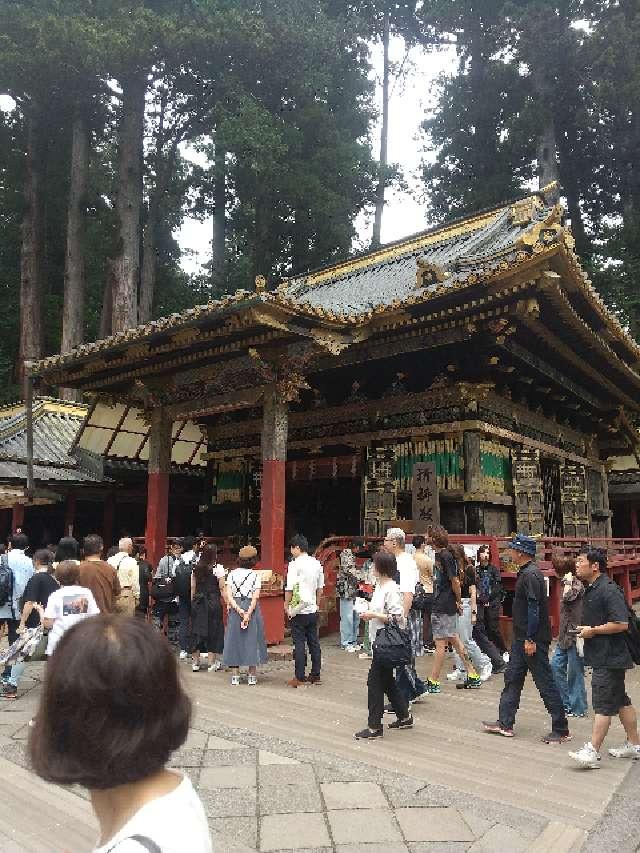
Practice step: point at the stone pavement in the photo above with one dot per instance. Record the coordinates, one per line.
(265, 792)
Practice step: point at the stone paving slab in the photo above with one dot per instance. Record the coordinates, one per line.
(228, 802)
(228, 777)
(282, 799)
(214, 742)
(500, 838)
(360, 826)
(243, 830)
(353, 795)
(558, 838)
(276, 774)
(372, 848)
(265, 757)
(303, 830)
(433, 824)
(442, 847)
(220, 757)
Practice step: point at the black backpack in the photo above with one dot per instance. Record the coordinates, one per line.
(6, 581)
(632, 636)
(182, 578)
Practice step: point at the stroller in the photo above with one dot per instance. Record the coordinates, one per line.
(24, 647)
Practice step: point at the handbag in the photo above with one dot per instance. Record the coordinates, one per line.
(392, 645)
(162, 589)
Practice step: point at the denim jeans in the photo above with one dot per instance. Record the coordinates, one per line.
(349, 623)
(409, 682)
(568, 670)
(538, 665)
(465, 632)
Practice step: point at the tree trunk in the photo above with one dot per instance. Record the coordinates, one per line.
(129, 204)
(546, 154)
(149, 260)
(218, 254)
(107, 300)
(384, 136)
(32, 251)
(74, 271)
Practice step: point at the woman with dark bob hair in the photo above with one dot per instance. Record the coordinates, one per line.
(112, 711)
(386, 604)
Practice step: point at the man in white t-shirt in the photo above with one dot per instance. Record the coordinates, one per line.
(411, 686)
(303, 592)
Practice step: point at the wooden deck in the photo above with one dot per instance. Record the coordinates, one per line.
(446, 747)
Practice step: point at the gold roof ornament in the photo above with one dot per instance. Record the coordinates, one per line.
(429, 273)
(523, 211)
(261, 284)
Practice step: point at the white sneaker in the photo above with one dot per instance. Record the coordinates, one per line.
(195, 667)
(587, 757)
(252, 680)
(235, 680)
(627, 750)
(505, 657)
(215, 666)
(365, 656)
(184, 655)
(456, 675)
(350, 649)
(486, 672)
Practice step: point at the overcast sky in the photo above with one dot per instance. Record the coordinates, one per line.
(413, 96)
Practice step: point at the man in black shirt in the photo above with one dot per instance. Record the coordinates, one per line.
(530, 647)
(606, 619)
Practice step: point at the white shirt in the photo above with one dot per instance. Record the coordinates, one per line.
(66, 606)
(175, 822)
(243, 582)
(409, 575)
(386, 598)
(307, 572)
(128, 571)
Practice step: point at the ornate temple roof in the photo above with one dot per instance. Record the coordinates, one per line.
(511, 267)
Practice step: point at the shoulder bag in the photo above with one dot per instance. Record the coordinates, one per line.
(392, 645)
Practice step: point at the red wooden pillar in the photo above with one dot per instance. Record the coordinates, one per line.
(69, 513)
(17, 517)
(158, 485)
(272, 499)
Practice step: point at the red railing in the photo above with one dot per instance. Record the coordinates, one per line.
(623, 562)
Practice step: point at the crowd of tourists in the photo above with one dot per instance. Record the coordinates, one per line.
(113, 710)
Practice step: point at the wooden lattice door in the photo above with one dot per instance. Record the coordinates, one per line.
(575, 506)
(527, 488)
(551, 497)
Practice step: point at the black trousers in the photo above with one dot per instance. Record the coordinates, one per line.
(483, 641)
(538, 665)
(380, 681)
(304, 632)
(492, 626)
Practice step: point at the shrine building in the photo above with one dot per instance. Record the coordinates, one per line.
(479, 345)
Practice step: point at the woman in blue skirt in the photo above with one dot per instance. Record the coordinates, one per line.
(244, 643)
